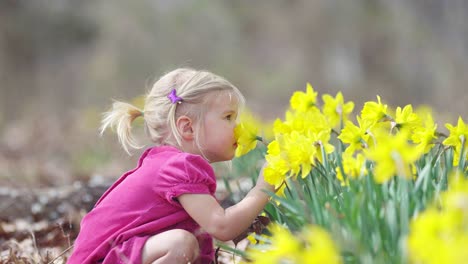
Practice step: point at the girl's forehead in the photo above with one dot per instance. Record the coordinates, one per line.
(224, 99)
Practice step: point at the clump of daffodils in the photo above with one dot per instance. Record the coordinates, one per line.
(406, 162)
(312, 245)
(392, 140)
(440, 234)
(393, 155)
(303, 138)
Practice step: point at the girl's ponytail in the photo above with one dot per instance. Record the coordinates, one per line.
(120, 118)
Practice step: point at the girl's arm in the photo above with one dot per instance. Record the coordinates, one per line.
(226, 224)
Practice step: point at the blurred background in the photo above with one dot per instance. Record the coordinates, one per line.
(63, 61)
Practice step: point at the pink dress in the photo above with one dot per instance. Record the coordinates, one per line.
(143, 203)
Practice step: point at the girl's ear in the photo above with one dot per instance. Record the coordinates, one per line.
(185, 127)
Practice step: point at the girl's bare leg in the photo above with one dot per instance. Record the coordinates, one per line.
(172, 247)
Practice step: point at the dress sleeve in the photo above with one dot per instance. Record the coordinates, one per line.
(186, 173)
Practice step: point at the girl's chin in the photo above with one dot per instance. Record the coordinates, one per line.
(230, 157)
(221, 159)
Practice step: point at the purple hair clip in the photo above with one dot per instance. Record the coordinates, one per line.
(173, 97)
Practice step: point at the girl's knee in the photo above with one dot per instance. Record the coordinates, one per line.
(187, 243)
(173, 246)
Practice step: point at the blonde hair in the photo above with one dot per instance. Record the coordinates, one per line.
(160, 113)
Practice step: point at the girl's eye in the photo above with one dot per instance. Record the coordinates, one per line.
(229, 117)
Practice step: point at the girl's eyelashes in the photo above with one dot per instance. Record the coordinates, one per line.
(231, 116)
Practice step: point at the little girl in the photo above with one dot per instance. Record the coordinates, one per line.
(165, 211)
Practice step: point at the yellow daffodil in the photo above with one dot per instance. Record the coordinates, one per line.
(246, 133)
(406, 119)
(321, 139)
(304, 102)
(458, 134)
(456, 198)
(425, 135)
(301, 122)
(440, 234)
(393, 155)
(356, 136)
(280, 127)
(316, 122)
(276, 171)
(277, 167)
(374, 112)
(300, 152)
(335, 109)
(283, 247)
(320, 247)
(438, 237)
(353, 167)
